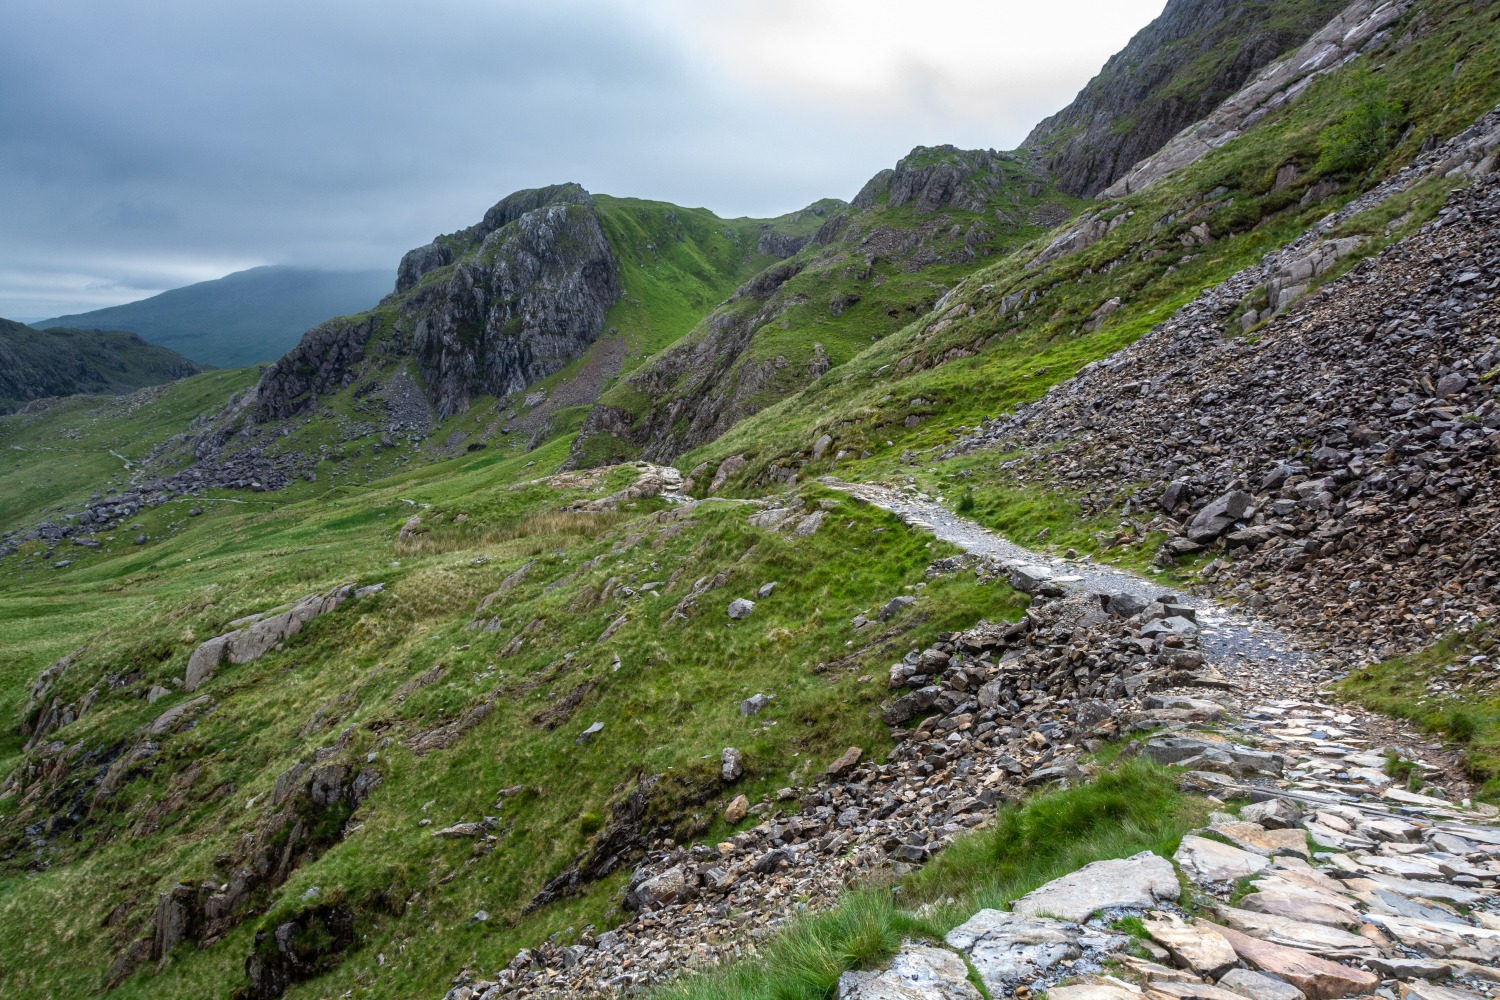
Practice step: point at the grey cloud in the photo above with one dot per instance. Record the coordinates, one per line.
(161, 136)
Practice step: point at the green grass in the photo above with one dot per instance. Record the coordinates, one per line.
(1127, 809)
(1449, 693)
(668, 710)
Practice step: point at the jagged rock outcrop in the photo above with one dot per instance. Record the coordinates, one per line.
(309, 807)
(932, 178)
(1172, 73)
(521, 294)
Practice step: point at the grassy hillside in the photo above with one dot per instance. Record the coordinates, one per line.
(69, 449)
(913, 234)
(367, 679)
(242, 318)
(38, 364)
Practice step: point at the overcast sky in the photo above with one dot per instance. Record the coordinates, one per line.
(148, 144)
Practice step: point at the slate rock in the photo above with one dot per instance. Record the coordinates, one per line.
(1142, 880)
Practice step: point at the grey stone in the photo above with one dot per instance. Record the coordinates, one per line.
(916, 972)
(755, 704)
(1218, 516)
(1142, 880)
(739, 608)
(731, 764)
(1259, 985)
(1210, 863)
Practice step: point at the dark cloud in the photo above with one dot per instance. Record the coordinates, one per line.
(147, 144)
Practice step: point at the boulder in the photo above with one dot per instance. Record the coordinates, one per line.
(1197, 946)
(739, 608)
(1219, 516)
(731, 765)
(916, 972)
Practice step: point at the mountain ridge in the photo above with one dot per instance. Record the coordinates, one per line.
(41, 364)
(243, 318)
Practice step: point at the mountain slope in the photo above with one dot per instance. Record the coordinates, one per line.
(905, 239)
(242, 318)
(422, 780)
(1171, 74)
(36, 364)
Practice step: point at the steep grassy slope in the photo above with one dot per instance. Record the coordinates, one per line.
(242, 318)
(909, 236)
(37, 364)
(375, 679)
(1023, 323)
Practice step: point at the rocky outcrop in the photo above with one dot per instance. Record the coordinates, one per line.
(1173, 72)
(308, 809)
(933, 178)
(516, 297)
(259, 634)
(1356, 29)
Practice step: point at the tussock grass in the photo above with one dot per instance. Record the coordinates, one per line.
(539, 531)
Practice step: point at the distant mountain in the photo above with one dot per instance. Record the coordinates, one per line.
(242, 318)
(36, 364)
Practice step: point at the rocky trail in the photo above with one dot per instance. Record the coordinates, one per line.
(1357, 885)
(1228, 638)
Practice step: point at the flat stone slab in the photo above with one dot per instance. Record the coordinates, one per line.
(1308, 906)
(1007, 948)
(1259, 986)
(917, 972)
(1317, 978)
(1208, 862)
(1257, 839)
(1091, 991)
(1140, 881)
(1197, 946)
(1192, 991)
(1320, 939)
(1427, 991)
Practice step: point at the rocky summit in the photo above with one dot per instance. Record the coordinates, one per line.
(1065, 570)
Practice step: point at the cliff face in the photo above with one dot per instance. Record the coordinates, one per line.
(1172, 73)
(484, 311)
(36, 364)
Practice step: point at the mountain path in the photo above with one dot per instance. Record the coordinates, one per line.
(1233, 641)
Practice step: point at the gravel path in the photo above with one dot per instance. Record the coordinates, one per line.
(1232, 641)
